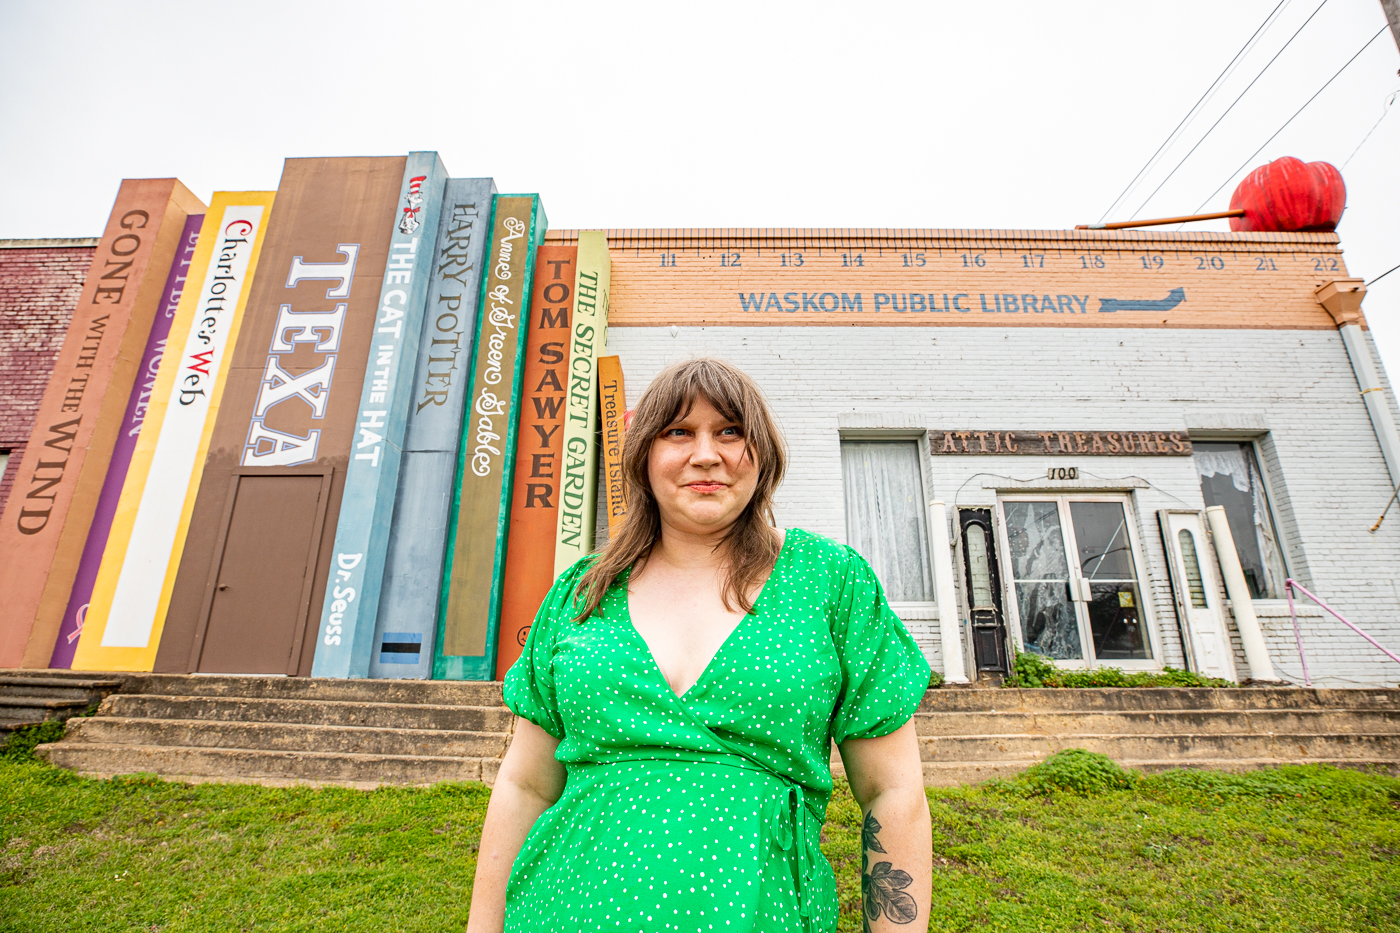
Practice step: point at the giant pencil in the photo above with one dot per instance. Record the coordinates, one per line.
(578, 498)
(469, 608)
(255, 563)
(372, 478)
(534, 508)
(132, 592)
(138, 406)
(408, 601)
(59, 479)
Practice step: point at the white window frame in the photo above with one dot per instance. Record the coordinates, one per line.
(1285, 545)
(1011, 605)
(922, 611)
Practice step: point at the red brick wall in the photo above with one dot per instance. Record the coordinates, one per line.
(39, 286)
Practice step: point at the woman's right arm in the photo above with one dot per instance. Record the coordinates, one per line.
(529, 782)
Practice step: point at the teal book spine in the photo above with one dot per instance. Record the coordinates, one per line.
(349, 609)
(474, 565)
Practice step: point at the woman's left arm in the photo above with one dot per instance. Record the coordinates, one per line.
(887, 780)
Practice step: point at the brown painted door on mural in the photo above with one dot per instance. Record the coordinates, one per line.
(257, 608)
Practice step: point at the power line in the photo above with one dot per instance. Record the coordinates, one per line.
(1229, 108)
(1294, 117)
(1390, 99)
(1196, 106)
(1381, 276)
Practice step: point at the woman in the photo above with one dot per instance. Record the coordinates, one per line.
(678, 696)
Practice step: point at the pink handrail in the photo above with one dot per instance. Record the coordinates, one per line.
(1289, 586)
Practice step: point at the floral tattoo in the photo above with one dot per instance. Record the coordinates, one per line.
(882, 887)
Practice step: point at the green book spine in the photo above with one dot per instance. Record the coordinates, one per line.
(578, 503)
(470, 606)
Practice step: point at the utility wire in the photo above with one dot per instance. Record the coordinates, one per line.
(1195, 107)
(1381, 276)
(1228, 109)
(1294, 117)
(1390, 99)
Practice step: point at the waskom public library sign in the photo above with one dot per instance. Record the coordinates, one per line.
(970, 278)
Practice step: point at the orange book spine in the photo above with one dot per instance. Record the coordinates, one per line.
(534, 511)
(613, 398)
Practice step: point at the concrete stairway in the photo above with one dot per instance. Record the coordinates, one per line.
(973, 735)
(276, 730)
(31, 697)
(369, 732)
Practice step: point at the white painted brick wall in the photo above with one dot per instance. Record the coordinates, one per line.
(1326, 471)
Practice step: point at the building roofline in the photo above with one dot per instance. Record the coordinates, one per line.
(847, 237)
(51, 243)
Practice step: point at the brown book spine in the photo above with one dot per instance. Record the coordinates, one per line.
(58, 481)
(534, 511)
(262, 531)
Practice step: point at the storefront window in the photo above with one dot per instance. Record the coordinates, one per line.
(1074, 573)
(885, 516)
(1044, 599)
(1230, 477)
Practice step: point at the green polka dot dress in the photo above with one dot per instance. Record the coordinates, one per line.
(704, 812)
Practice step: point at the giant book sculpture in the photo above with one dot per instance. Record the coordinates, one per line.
(534, 508)
(262, 530)
(138, 406)
(612, 396)
(408, 600)
(58, 480)
(351, 602)
(578, 509)
(469, 608)
(129, 599)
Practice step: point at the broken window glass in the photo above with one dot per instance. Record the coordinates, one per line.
(1230, 477)
(1040, 571)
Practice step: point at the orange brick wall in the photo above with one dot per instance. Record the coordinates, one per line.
(967, 278)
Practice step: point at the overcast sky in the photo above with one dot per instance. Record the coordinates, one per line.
(1007, 114)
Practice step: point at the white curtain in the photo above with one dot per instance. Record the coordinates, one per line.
(1239, 464)
(886, 519)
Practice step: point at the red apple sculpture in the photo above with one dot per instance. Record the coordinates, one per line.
(1289, 195)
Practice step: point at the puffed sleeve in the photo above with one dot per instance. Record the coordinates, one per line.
(529, 684)
(884, 674)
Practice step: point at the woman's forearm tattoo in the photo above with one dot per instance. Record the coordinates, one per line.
(882, 886)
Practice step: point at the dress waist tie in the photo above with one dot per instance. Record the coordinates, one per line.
(788, 822)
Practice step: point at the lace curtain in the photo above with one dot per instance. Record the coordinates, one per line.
(1248, 513)
(886, 518)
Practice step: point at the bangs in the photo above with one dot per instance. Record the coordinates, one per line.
(722, 391)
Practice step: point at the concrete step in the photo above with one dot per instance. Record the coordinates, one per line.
(954, 773)
(437, 743)
(89, 690)
(1296, 747)
(309, 712)
(1157, 722)
(254, 765)
(418, 692)
(39, 709)
(1113, 699)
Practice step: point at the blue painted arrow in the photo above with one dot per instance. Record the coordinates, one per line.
(1177, 296)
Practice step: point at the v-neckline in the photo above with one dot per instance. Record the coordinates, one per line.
(709, 665)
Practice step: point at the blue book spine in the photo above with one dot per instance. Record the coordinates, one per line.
(372, 477)
(408, 604)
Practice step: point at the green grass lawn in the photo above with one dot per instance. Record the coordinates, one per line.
(1298, 849)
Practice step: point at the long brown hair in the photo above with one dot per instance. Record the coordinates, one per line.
(751, 546)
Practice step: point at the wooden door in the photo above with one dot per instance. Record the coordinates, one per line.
(257, 603)
(983, 580)
(1197, 596)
